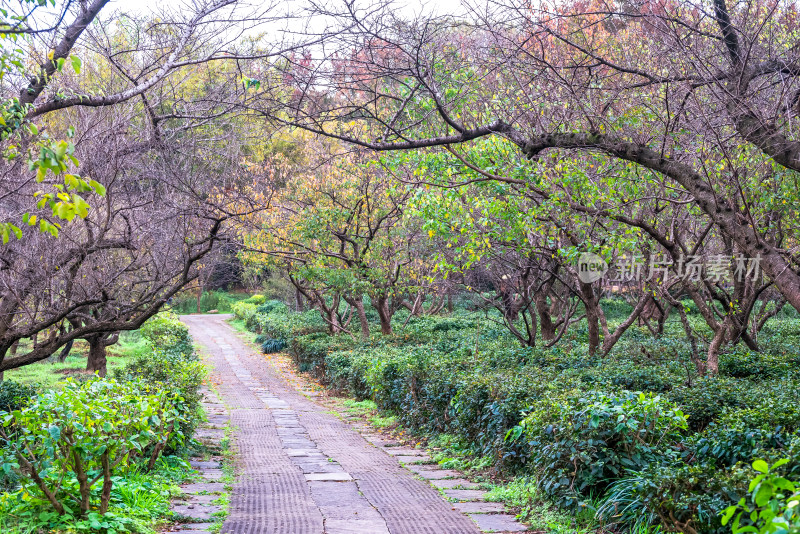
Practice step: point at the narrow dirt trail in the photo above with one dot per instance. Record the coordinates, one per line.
(302, 470)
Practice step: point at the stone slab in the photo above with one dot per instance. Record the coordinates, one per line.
(198, 511)
(311, 453)
(205, 465)
(328, 477)
(294, 443)
(465, 494)
(198, 499)
(194, 527)
(404, 451)
(208, 433)
(498, 523)
(380, 441)
(312, 468)
(273, 405)
(348, 526)
(478, 507)
(410, 460)
(421, 468)
(200, 487)
(452, 483)
(438, 474)
(212, 475)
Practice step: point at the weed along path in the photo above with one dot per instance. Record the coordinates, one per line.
(301, 470)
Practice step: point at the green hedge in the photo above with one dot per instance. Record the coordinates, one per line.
(681, 461)
(636, 434)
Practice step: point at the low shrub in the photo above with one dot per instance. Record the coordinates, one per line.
(245, 311)
(678, 497)
(771, 504)
(270, 346)
(758, 365)
(272, 306)
(179, 374)
(580, 442)
(256, 299)
(706, 399)
(310, 351)
(14, 395)
(68, 443)
(165, 331)
(672, 456)
(278, 324)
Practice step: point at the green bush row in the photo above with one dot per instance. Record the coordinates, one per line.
(636, 435)
(614, 433)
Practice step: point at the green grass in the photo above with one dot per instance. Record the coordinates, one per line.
(369, 410)
(239, 326)
(363, 408)
(538, 512)
(49, 374)
(221, 301)
(449, 453)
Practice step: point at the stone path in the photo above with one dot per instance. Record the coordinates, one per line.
(301, 470)
(197, 505)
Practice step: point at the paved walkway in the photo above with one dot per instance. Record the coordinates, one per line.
(301, 470)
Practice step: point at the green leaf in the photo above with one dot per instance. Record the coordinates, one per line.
(728, 514)
(81, 206)
(761, 466)
(76, 63)
(763, 495)
(98, 187)
(782, 461)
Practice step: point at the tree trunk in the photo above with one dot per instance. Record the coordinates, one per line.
(358, 303)
(97, 355)
(298, 298)
(199, 296)
(381, 305)
(712, 356)
(545, 320)
(65, 351)
(592, 317)
(610, 339)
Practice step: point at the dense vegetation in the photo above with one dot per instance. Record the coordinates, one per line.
(574, 224)
(636, 435)
(102, 454)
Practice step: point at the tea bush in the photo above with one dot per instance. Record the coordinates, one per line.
(14, 395)
(580, 441)
(166, 332)
(170, 371)
(66, 442)
(771, 504)
(637, 433)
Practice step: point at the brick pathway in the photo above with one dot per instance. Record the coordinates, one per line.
(301, 470)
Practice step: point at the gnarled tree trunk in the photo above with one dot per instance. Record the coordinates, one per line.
(97, 360)
(381, 305)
